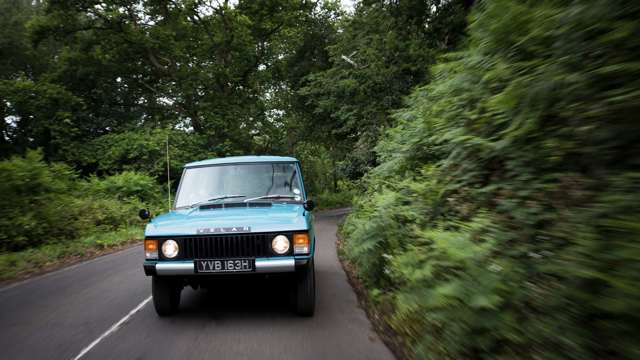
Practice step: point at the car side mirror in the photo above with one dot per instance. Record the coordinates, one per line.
(144, 214)
(309, 205)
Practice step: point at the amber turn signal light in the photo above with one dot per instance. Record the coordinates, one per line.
(301, 239)
(150, 249)
(301, 243)
(150, 245)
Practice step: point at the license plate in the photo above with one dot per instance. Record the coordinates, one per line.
(225, 265)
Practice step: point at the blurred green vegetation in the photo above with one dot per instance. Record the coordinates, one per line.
(502, 221)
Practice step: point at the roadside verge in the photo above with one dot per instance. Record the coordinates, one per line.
(391, 339)
(22, 265)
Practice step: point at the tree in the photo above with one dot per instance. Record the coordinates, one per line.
(380, 54)
(214, 69)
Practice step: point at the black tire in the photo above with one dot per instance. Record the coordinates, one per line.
(306, 290)
(166, 295)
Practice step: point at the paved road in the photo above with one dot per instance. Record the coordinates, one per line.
(58, 315)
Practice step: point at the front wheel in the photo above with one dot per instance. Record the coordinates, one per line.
(166, 295)
(306, 290)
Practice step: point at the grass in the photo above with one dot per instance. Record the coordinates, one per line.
(21, 264)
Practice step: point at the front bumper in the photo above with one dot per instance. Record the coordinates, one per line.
(263, 265)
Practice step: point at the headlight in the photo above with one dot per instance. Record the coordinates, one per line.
(280, 244)
(170, 249)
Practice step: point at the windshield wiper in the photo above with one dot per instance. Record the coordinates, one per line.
(274, 196)
(221, 197)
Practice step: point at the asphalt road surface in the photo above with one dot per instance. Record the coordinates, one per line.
(100, 309)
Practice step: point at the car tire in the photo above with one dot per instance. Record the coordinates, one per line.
(166, 295)
(306, 290)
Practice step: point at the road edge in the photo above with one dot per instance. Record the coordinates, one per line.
(394, 342)
(67, 263)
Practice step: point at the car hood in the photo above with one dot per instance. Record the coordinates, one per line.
(279, 217)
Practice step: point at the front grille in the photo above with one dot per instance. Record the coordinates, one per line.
(226, 246)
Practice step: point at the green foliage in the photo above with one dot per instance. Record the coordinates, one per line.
(41, 116)
(47, 203)
(341, 197)
(124, 186)
(37, 202)
(318, 168)
(379, 55)
(322, 180)
(500, 222)
(145, 151)
(79, 78)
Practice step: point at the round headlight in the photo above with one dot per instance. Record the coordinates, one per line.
(170, 249)
(280, 244)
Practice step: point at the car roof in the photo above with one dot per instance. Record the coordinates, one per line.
(241, 160)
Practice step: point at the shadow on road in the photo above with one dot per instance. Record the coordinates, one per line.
(238, 297)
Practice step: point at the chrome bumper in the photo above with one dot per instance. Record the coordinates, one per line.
(188, 267)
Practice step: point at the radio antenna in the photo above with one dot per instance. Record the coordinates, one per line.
(168, 175)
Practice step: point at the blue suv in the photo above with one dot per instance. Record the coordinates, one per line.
(233, 216)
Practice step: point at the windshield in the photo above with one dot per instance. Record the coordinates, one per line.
(239, 182)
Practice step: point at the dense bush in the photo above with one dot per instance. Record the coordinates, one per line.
(318, 168)
(125, 186)
(144, 151)
(36, 198)
(342, 197)
(502, 221)
(45, 203)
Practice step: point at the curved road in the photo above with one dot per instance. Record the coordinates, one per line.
(100, 310)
